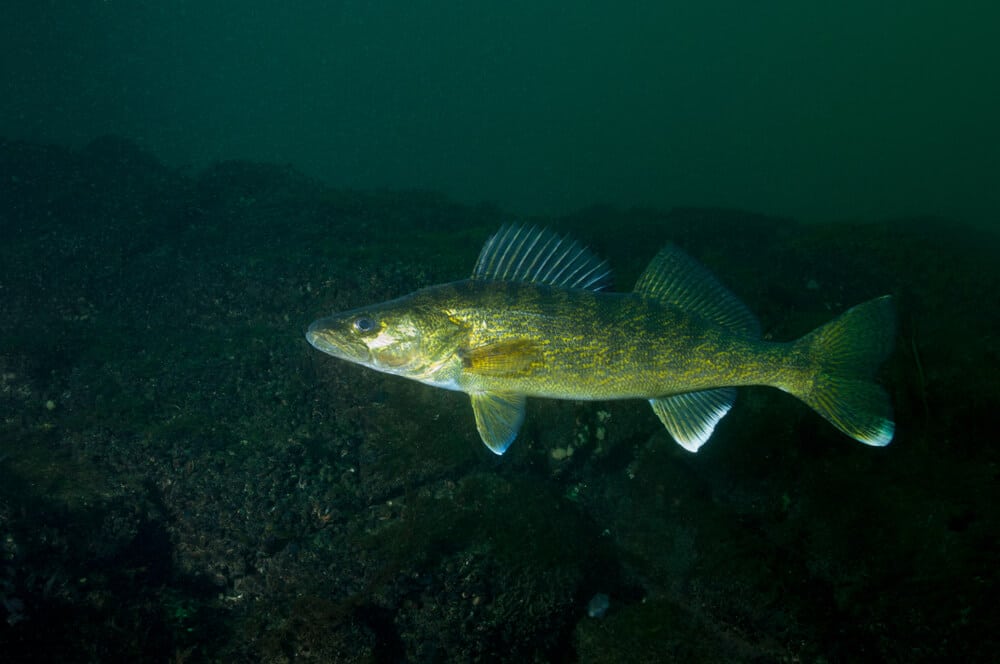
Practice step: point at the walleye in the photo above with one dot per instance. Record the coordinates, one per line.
(535, 320)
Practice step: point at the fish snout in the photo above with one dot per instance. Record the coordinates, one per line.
(317, 333)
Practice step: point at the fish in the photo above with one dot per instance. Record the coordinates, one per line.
(538, 318)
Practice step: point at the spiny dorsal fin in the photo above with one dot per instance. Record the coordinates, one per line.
(540, 256)
(675, 278)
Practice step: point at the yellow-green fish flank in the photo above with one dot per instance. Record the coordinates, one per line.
(534, 320)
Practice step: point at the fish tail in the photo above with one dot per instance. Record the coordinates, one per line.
(843, 356)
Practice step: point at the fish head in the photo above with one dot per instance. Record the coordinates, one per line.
(396, 337)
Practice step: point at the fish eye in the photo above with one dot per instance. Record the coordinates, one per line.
(364, 324)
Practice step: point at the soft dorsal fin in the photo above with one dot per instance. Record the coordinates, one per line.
(540, 256)
(675, 278)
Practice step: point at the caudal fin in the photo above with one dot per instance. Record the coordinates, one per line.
(844, 355)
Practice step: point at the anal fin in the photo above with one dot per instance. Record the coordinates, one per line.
(691, 417)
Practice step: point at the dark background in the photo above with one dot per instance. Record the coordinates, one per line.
(854, 111)
(184, 186)
(183, 478)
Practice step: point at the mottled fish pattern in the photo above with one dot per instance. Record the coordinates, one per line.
(536, 320)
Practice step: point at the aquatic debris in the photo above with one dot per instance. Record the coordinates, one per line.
(598, 605)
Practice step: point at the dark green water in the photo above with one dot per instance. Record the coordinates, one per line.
(183, 478)
(853, 111)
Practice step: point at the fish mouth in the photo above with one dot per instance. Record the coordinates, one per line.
(326, 338)
(314, 334)
(318, 335)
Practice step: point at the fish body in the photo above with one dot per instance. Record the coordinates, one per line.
(535, 320)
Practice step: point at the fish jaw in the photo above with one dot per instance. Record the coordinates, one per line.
(329, 336)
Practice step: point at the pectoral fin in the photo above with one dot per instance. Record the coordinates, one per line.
(498, 418)
(502, 358)
(691, 417)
